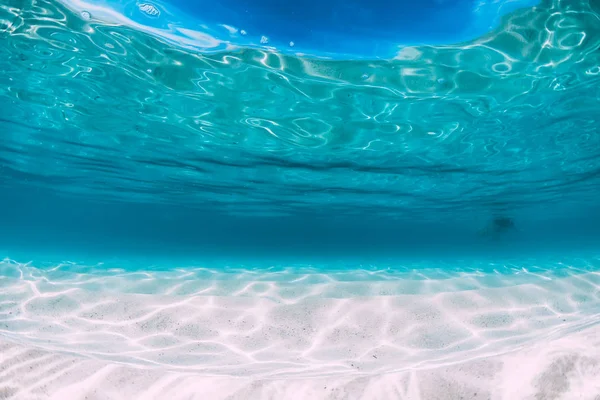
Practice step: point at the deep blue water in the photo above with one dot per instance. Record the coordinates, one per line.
(358, 28)
(351, 29)
(117, 140)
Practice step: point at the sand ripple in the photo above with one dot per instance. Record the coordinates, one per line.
(510, 332)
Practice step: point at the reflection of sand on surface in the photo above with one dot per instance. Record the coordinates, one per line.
(146, 335)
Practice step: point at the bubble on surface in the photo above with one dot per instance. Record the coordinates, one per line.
(149, 9)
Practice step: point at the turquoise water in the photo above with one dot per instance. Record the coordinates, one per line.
(157, 169)
(134, 142)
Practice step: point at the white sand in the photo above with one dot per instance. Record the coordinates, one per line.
(172, 335)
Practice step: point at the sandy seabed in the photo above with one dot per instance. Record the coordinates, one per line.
(96, 333)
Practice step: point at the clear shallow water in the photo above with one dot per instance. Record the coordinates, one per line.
(426, 147)
(197, 206)
(499, 330)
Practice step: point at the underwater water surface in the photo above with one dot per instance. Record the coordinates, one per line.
(367, 203)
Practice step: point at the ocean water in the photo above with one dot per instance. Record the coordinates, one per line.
(384, 202)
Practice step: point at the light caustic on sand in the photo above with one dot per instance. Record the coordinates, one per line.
(294, 333)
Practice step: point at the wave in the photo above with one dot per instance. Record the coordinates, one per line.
(503, 123)
(329, 30)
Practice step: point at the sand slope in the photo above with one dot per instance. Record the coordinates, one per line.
(185, 334)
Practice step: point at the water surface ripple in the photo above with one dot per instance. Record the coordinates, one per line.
(507, 121)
